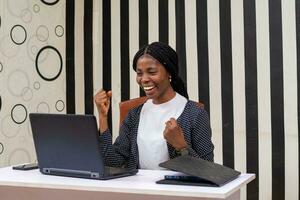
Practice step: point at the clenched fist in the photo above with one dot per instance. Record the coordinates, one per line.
(102, 101)
(173, 134)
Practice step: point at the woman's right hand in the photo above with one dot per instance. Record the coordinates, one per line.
(102, 101)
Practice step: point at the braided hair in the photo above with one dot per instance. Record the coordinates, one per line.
(168, 57)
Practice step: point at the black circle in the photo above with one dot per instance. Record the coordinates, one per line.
(18, 43)
(37, 67)
(11, 113)
(1, 148)
(0, 103)
(50, 4)
(1, 67)
(56, 105)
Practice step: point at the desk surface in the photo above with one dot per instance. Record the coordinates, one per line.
(142, 183)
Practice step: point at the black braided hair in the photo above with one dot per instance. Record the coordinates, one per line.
(168, 57)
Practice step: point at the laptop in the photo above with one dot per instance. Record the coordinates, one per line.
(197, 172)
(68, 145)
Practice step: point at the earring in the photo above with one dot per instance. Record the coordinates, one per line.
(170, 78)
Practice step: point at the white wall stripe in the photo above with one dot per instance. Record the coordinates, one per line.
(153, 20)
(215, 77)
(116, 64)
(97, 48)
(172, 24)
(290, 99)
(191, 49)
(263, 93)
(238, 78)
(133, 44)
(79, 58)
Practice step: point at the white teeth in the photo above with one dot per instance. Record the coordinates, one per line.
(148, 87)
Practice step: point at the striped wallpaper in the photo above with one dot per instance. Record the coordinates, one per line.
(238, 56)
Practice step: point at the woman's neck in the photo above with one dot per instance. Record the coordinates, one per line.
(167, 96)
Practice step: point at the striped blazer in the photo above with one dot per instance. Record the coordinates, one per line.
(195, 125)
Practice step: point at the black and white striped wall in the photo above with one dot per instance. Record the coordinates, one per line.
(241, 57)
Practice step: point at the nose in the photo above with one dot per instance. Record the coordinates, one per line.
(144, 78)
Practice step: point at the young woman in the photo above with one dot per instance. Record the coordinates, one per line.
(167, 125)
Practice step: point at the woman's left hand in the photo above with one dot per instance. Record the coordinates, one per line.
(173, 134)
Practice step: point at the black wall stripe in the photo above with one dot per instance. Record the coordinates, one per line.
(143, 27)
(180, 38)
(202, 46)
(163, 21)
(251, 97)
(226, 81)
(70, 66)
(298, 78)
(106, 53)
(88, 57)
(277, 112)
(125, 68)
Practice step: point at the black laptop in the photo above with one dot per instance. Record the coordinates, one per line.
(68, 145)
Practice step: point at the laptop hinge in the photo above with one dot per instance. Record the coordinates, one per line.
(70, 172)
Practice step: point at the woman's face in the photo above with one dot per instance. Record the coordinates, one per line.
(153, 78)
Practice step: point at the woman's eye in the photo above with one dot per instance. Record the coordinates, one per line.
(152, 72)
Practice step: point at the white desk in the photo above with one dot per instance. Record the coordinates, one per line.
(31, 185)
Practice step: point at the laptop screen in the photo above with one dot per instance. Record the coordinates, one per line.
(66, 141)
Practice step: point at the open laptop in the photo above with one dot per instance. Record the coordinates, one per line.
(68, 145)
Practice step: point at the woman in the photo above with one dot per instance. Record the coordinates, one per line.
(167, 125)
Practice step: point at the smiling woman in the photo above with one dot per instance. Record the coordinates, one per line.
(154, 79)
(167, 125)
(166, 57)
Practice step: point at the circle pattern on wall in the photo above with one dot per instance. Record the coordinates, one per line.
(60, 105)
(33, 45)
(42, 33)
(36, 8)
(0, 103)
(8, 128)
(18, 34)
(8, 48)
(54, 60)
(43, 107)
(36, 85)
(1, 67)
(17, 81)
(19, 155)
(1, 148)
(26, 16)
(59, 31)
(27, 94)
(50, 2)
(15, 7)
(19, 113)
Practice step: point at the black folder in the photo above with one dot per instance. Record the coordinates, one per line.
(197, 172)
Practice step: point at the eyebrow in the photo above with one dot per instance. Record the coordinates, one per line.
(151, 66)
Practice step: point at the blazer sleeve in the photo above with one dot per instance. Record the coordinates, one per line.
(202, 146)
(117, 154)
